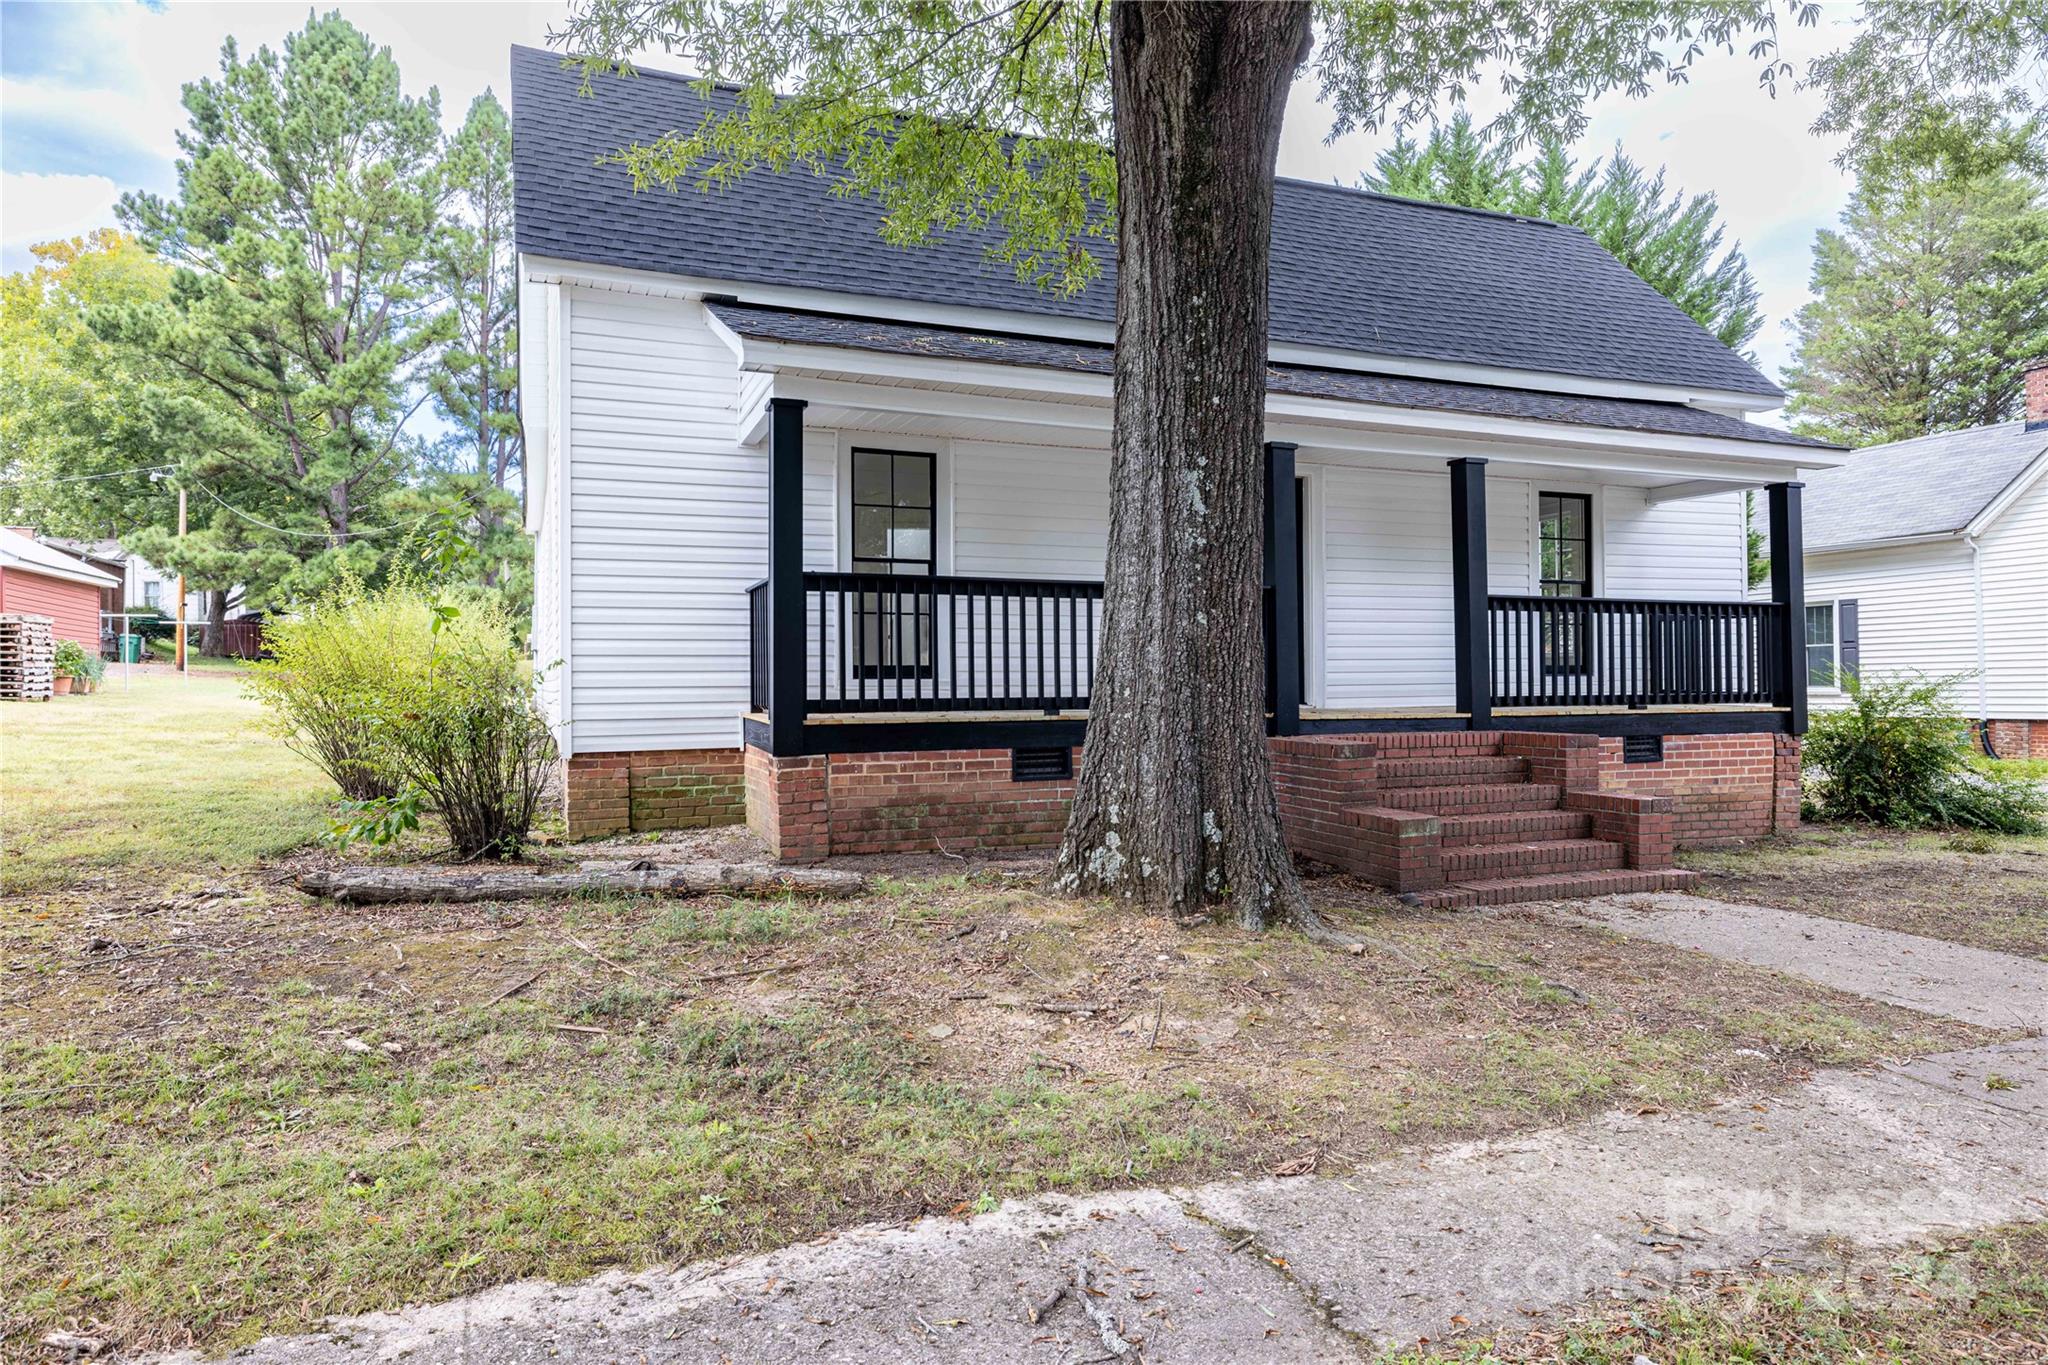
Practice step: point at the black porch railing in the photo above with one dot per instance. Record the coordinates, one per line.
(883, 642)
(757, 646)
(1597, 651)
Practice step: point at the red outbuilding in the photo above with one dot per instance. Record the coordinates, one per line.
(45, 581)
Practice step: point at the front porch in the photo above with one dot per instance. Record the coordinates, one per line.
(1581, 738)
(844, 661)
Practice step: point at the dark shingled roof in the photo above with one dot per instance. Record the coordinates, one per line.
(1351, 271)
(945, 343)
(1928, 486)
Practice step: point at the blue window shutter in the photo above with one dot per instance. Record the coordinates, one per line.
(1850, 647)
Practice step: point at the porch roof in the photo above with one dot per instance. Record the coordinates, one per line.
(793, 327)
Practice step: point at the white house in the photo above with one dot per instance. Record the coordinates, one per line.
(1930, 557)
(820, 522)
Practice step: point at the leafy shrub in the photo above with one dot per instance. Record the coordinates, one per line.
(2000, 802)
(407, 698)
(326, 681)
(1899, 755)
(468, 733)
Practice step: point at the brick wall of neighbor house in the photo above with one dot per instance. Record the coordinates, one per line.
(1722, 787)
(654, 789)
(909, 802)
(2020, 738)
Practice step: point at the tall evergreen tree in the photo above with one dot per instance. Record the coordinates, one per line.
(475, 378)
(1928, 301)
(308, 193)
(1671, 241)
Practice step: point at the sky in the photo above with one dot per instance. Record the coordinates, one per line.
(89, 110)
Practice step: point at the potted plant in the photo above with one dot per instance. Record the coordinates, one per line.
(71, 663)
(95, 669)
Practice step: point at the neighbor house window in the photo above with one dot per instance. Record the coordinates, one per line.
(1820, 645)
(894, 503)
(1564, 545)
(152, 594)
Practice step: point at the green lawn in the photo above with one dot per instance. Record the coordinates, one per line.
(165, 772)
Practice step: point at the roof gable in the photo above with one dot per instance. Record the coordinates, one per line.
(1351, 271)
(1929, 486)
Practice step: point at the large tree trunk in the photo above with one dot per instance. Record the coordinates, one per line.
(1175, 807)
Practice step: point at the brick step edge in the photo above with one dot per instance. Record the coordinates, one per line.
(1544, 858)
(1476, 798)
(1568, 886)
(1513, 827)
(1398, 773)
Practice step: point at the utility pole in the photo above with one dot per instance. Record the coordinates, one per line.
(181, 582)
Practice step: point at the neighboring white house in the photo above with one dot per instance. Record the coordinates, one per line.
(796, 492)
(1930, 556)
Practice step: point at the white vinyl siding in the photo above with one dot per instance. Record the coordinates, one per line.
(1029, 511)
(669, 524)
(2015, 550)
(1690, 549)
(1387, 582)
(1915, 611)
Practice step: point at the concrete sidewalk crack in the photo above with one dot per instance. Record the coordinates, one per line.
(1238, 1240)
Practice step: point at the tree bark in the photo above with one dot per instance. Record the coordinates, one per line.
(1175, 808)
(213, 637)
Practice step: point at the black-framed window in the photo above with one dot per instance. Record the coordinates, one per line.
(1564, 542)
(1564, 550)
(894, 512)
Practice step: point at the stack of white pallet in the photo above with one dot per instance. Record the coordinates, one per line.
(28, 657)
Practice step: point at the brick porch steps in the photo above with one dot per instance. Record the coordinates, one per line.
(1442, 772)
(1551, 857)
(1562, 886)
(1478, 798)
(1514, 827)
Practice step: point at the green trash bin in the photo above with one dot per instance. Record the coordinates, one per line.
(131, 649)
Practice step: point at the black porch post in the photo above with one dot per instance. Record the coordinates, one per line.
(1468, 592)
(1283, 579)
(1788, 590)
(785, 575)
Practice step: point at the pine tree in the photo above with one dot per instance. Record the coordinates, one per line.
(475, 378)
(1928, 302)
(308, 194)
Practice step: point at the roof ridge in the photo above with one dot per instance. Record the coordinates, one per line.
(1406, 201)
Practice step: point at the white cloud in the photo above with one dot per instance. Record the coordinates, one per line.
(45, 208)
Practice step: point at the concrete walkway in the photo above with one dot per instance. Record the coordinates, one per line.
(1996, 990)
(1327, 1269)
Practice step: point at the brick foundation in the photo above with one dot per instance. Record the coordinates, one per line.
(909, 802)
(1722, 787)
(1340, 802)
(653, 789)
(2020, 738)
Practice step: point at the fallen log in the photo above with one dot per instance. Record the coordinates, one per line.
(383, 885)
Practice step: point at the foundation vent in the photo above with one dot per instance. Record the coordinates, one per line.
(1041, 765)
(1642, 748)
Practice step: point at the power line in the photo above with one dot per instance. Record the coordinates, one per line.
(85, 478)
(352, 533)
